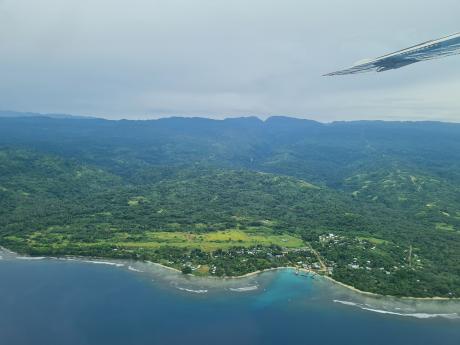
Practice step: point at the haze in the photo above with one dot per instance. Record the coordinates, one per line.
(151, 58)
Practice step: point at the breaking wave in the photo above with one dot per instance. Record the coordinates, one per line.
(131, 268)
(30, 257)
(104, 263)
(191, 290)
(451, 316)
(244, 289)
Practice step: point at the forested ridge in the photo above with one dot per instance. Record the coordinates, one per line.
(372, 204)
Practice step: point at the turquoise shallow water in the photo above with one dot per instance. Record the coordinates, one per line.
(72, 302)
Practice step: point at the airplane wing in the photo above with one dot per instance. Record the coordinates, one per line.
(358, 68)
(430, 50)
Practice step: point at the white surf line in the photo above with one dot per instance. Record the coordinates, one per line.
(353, 304)
(416, 315)
(244, 289)
(103, 263)
(7, 250)
(70, 258)
(191, 290)
(131, 268)
(30, 257)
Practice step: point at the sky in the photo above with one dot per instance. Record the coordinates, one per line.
(140, 59)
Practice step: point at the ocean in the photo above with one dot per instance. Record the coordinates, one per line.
(93, 302)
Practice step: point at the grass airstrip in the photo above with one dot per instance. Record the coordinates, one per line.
(153, 240)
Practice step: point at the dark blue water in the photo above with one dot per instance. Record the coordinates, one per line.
(58, 302)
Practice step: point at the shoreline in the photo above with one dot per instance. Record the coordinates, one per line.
(255, 273)
(349, 287)
(373, 294)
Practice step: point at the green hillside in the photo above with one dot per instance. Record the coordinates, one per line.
(366, 203)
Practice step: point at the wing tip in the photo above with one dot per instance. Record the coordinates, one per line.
(332, 74)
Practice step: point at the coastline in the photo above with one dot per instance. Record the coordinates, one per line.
(255, 273)
(373, 294)
(162, 266)
(251, 274)
(349, 287)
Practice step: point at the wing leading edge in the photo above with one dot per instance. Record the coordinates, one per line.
(435, 49)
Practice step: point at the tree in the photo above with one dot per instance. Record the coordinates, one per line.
(186, 270)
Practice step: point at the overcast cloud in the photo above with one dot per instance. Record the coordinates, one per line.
(224, 58)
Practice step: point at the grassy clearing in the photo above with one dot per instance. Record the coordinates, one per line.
(373, 240)
(203, 270)
(215, 240)
(444, 227)
(136, 200)
(153, 240)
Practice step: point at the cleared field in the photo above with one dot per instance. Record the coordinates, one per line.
(153, 240)
(444, 227)
(373, 240)
(214, 240)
